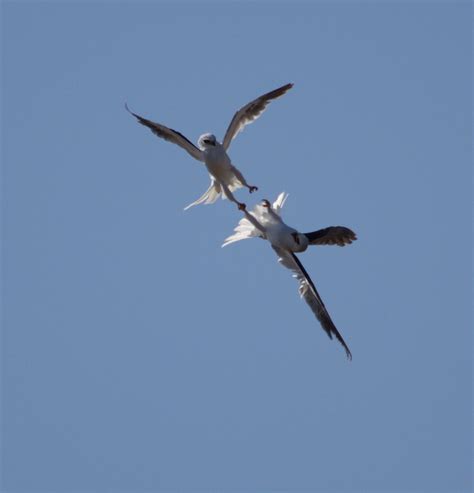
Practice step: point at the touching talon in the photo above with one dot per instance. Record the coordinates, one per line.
(241, 206)
(252, 189)
(266, 203)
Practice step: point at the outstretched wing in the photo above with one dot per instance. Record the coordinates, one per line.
(308, 291)
(279, 202)
(334, 235)
(250, 112)
(243, 231)
(170, 135)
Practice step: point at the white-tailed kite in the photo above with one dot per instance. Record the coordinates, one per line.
(225, 178)
(265, 222)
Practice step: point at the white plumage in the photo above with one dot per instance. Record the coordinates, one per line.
(247, 229)
(225, 177)
(265, 222)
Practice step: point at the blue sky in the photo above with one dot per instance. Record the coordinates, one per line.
(139, 355)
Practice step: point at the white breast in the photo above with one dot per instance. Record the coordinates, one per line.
(279, 235)
(282, 236)
(216, 156)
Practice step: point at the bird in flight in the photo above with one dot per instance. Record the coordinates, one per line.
(225, 177)
(265, 222)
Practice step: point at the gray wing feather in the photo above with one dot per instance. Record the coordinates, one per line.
(333, 235)
(250, 112)
(170, 135)
(310, 294)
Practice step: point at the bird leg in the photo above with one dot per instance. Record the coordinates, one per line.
(230, 196)
(243, 181)
(251, 218)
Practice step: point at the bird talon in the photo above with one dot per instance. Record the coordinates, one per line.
(241, 207)
(252, 189)
(266, 203)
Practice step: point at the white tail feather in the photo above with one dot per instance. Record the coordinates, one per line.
(209, 196)
(244, 230)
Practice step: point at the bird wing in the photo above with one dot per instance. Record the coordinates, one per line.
(170, 135)
(279, 203)
(250, 112)
(333, 235)
(310, 294)
(243, 231)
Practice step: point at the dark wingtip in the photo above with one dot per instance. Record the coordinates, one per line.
(130, 111)
(345, 346)
(341, 341)
(352, 234)
(276, 93)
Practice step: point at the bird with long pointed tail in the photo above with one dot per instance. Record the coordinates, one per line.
(225, 177)
(265, 222)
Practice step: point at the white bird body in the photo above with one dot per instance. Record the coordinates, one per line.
(225, 177)
(265, 222)
(217, 160)
(275, 230)
(280, 235)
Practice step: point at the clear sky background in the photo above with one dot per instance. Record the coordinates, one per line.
(139, 355)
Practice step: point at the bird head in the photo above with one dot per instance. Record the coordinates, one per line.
(206, 141)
